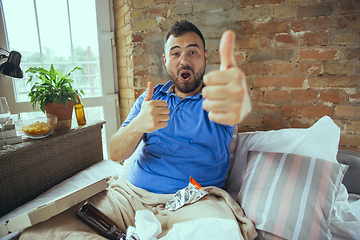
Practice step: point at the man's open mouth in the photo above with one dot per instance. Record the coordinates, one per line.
(185, 75)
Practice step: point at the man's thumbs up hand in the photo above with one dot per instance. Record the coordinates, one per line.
(226, 49)
(153, 115)
(150, 92)
(226, 95)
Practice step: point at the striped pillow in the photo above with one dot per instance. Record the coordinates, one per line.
(290, 195)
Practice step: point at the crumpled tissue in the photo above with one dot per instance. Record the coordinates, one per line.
(147, 227)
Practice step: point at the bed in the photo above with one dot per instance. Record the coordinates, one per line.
(328, 205)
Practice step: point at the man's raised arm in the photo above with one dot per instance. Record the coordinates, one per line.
(226, 94)
(153, 115)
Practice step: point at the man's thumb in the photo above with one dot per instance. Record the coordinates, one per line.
(227, 45)
(150, 92)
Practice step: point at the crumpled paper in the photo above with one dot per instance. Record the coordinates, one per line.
(192, 193)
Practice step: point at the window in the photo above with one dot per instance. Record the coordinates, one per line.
(67, 33)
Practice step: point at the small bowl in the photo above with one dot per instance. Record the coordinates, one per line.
(37, 127)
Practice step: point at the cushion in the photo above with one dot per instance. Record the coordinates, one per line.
(290, 195)
(352, 177)
(319, 141)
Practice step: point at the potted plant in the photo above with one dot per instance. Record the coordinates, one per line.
(54, 93)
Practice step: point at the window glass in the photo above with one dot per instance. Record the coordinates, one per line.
(66, 37)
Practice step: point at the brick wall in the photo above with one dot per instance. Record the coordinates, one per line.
(301, 57)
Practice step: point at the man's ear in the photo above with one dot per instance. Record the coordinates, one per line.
(206, 58)
(164, 59)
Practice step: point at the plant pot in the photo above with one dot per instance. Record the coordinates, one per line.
(64, 114)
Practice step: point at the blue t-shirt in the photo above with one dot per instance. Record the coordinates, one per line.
(190, 146)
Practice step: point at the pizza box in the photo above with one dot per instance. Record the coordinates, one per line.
(50, 209)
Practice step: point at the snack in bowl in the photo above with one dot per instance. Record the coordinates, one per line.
(38, 127)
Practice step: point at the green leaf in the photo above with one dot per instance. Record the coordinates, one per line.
(54, 86)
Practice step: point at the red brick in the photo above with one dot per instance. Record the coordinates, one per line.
(247, 129)
(345, 39)
(255, 68)
(273, 123)
(318, 54)
(337, 67)
(214, 57)
(313, 68)
(305, 111)
(275, 96)
(350, 140)
(253, 42)
(347, 111)
(262, 55)
(349, 7)
(319, 10)
(285, 40)
(265, 109)
(318, 24)
(141, 60)
(301, 123)
(352, 54)
(279, 81)
(303, 95)
(158, 2)
(141, 70)
(281, 68)
(137, 37)
(154, 37)
(314, 39)
(353, 126)
(334, 96)
(252, 121)
(354, 22)
(153, 12)
(247, 3)
(268, 28)
(333, 81)
(147, 48)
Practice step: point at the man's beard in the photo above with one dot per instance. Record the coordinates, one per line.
(192, 85)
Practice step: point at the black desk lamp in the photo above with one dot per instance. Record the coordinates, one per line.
(11, 67)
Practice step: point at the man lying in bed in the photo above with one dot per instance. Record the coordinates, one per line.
(187, 129)
(187, 123)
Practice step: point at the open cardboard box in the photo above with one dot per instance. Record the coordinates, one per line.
(50, 209)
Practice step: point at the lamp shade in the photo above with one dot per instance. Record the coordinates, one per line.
(12, 66)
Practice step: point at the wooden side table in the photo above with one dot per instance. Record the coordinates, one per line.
(32, 167)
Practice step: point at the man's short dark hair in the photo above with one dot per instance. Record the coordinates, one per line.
(183, 27)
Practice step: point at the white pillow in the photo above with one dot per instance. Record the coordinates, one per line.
(319, 141)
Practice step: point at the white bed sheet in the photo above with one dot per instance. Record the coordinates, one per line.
(346, 223)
